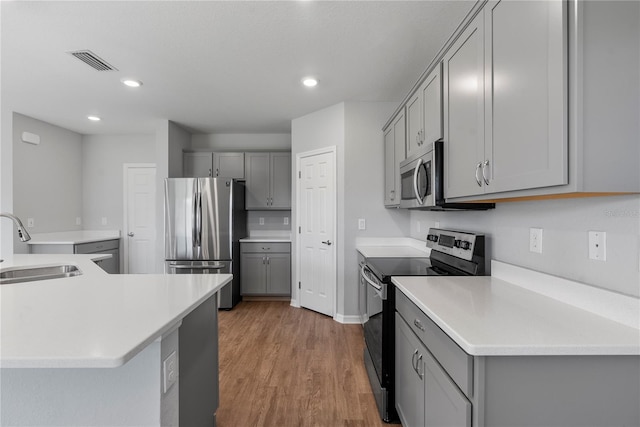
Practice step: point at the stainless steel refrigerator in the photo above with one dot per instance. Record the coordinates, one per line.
(204, 220)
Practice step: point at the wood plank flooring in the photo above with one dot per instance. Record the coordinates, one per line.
(284, 366)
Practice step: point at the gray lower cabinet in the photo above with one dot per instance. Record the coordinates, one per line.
(112, 247)
(265, 269)
(438, 384)
(425, 394)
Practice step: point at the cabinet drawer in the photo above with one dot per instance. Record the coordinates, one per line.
(456, 362)
(265, 247)
(93, 247)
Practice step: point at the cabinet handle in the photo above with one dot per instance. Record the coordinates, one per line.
(267, 260)
(414, 363)
(263, 261)
(392, 194)
(210, 172)
(420, 374)
(217, 172)
(485, 165)
(130, 234)
(418, 324)
(266, 249)
(478, 166)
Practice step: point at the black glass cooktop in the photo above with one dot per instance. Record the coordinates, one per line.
(384, 268)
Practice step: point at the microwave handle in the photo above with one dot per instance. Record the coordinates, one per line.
(415, 181)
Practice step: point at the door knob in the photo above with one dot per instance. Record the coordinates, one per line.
(327, 242)
(130, 234)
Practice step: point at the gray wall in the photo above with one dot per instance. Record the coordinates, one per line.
(565, 225)
(355, 130)
(103, 157)
(47, 178)
(241, 141)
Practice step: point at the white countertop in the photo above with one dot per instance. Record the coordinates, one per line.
(73, 237)
(392, 248)
(94, 320)
(488, 316)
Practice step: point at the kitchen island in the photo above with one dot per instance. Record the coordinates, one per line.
(518, 348)
(100, 349)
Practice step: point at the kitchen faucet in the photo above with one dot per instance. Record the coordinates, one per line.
(22, 233)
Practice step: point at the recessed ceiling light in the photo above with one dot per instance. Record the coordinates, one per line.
(94, 118)
(309, 81)
(131, 82)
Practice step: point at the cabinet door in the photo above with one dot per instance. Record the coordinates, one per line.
(525, 93)
(229, 165)
(278, 274)
(414, 124)
(463, 67)
(432, 105)
(196, 165)
(257, 180)
(409, 383)
(444, 404)
(280, 197)
(253, 274)
(389, 168)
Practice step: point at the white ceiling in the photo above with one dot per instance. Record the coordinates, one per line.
(213, 66)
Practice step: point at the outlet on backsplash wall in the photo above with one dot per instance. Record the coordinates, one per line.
(260, 221)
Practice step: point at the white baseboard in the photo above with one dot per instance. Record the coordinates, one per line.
(347, 320)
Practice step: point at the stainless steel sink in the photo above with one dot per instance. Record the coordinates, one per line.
(33, 273)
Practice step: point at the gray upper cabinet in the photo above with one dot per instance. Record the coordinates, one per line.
(505, 100)
(268, 180)
(525, 94)
(424, 113)
(228, 165)
(204, 164)
(464, 112)
(394, 153)
(197, 164)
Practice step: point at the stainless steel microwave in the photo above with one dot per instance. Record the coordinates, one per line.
(422, 182)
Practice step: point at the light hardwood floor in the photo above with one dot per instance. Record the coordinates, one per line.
(284, 366)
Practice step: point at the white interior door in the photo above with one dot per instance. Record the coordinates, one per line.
(317, 218)
(140, 218)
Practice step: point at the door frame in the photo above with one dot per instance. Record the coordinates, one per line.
(332, 150)
(125, 208)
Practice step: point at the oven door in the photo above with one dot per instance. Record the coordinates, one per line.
(373, 327)
(417, 182)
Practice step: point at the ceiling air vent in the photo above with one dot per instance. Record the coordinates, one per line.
(93, 60)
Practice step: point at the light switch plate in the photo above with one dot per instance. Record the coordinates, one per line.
(30, 222)
(362, 224)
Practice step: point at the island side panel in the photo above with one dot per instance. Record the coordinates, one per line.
(198, 365)
(123, 396)
(568, 391)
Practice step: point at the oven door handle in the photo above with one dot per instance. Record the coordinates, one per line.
(369, 281)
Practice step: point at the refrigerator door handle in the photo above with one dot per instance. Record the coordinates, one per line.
(198, 219)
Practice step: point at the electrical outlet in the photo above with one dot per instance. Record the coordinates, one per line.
(362, 224)
(286, 220)
(418, 226)
(535, 240)
(437, 224)
(598, 245)
(261, 220)
(170, 371)
(104, 220)
(30, 223)
(78, 220)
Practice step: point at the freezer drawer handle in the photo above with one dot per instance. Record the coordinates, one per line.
(198, 267)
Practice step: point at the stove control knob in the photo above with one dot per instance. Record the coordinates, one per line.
(432, 238)
(464, 245)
